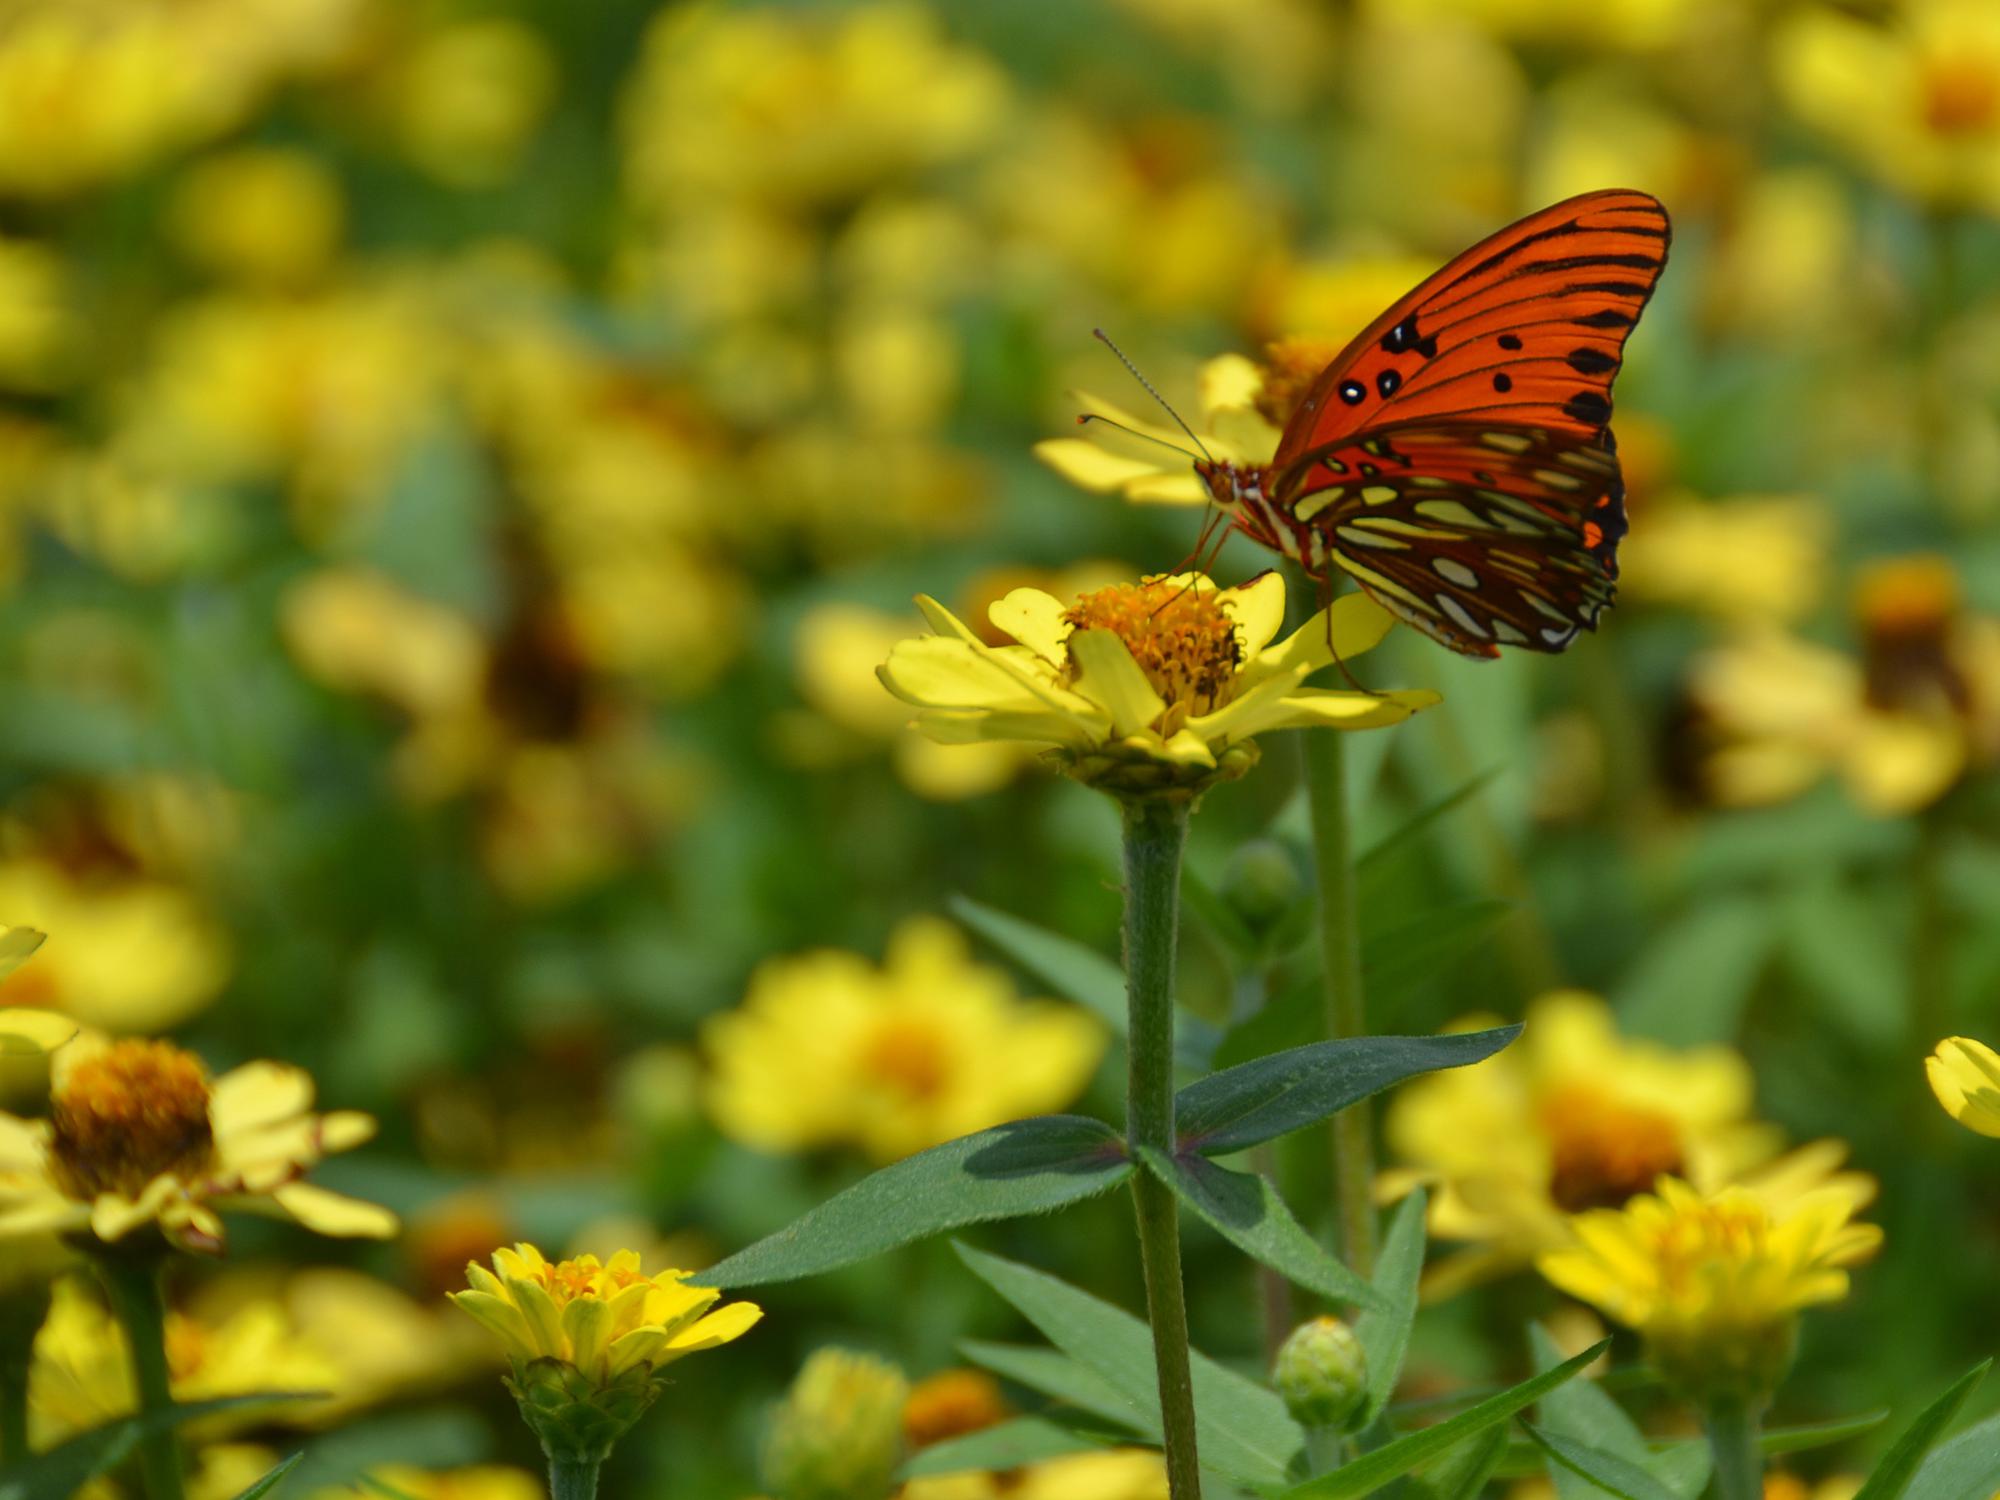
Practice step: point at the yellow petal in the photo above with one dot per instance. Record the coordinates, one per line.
(722, 1326)
(971, 726)
(944, 622)
(1229, 382)
(1347, 710)
(932, 672)
(1965, 1076)
(1351, 625)
(335, 1214)
(1181, 487)
(586, 1322)
(23, 1145)
(16, 945)
(258, 1095)
(26, 1030)
(1088, 466)
(1109, 677)
(1035, 619)
(1258, 607)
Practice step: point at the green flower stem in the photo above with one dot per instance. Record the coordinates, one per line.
(132, 1281)
(13, 1409)
(1732, 1436)
(573, 1479)
(1155, 832)
(1326, 1450)
(1346, 1014)
(21, 1313)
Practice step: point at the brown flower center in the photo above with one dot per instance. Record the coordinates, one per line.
(909, 1059)
(1606, 1151)
(1290, 367)
(134, 1111)
(1182, 638)
(1907, 607)
(1961, 94)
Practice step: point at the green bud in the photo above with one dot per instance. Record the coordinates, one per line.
(1737, 1366)
(1261, 883)
(1322, 1372)
(578, 1420)
(839, 1433)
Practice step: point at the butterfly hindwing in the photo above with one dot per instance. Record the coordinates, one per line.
(1480, 535)
(1527, 328)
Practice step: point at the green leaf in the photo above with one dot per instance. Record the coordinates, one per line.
(1691, 982)
(272, 1479)
(1062, 1380)
(1806, 1435)
(1384, 1332)
(1395, 961)
(1605, 1473)
(1391, 1461)
(1582, 1413)
(1372, 857)
(1248, 1211)
(1967, 1465)
(1899, 1465)
(1463, 1470)
(1273, 1096)
(1073, 970)
(1025, 1440)
(1205, 904)
(1028, 1167)
(68, 1467)
(1241, 1428)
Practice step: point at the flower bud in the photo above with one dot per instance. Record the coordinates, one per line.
(1261, 883)
(577, 1417)
(1322, 1373)
(839, 1433)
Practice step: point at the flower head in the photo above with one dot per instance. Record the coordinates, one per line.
(1714, 1283)
(1153, 688)
(839, 1434)
(827, 1048)
(1965, 1076)
(139, 1135)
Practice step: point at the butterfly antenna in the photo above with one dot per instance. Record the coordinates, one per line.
(1091, 416)
(1104, 338)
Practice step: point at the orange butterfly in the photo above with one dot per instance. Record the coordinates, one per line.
(1456, 457)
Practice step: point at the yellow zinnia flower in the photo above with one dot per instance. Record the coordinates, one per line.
(1965, 1076)
(828, 1049)
(1148, 688)
(1572, 1117)
(138, 1135)
(1714, 1283)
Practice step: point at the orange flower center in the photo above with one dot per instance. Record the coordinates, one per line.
(1907, 607)
(1606, 1151)
(951, 1404)
(1961, 94)
(1290, 367)
(134, 1111)
(568, 1281)
(908, 1058)
(1182, 638)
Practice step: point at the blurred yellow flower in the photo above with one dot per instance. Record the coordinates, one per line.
(1634, 24)
(130, 954)
(259, 214)
(465, 99)
(1747, 560)
(138, 1136)
(1913, 96)
(23, 1029)
(951, 1404)
(603, 1319)
(475, 1482)
(1965, 1076)
(827, 1049)
(1573, 1116)
(1149, 688)
(838, 1434)
(1900, 727)
(37, 326)
(82, 1371)
(1114, 1474)
(1714, 1282)
(359, 632)
(1137, 463)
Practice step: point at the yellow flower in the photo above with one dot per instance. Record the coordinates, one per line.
(130, 953)
(838, 1435)
(1574, 1116)
(259, 213)
(1965, 1076)
(1714, 1282)
(1757, 559)
(37, 326)
(82, 1371)
(137, 1135)
(1138, 465)
(1914, 97)
(1149, 688)
(951, 1404)
(602, 1317)
(475, 1482)
(1114, 1474)
(827, 1049)
(466, 98)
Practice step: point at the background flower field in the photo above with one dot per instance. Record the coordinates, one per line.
(462, 464)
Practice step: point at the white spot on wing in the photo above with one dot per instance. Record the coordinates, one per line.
(1451, 570)
(1463, 617)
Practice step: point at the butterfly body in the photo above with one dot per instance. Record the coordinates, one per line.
(1456, 457)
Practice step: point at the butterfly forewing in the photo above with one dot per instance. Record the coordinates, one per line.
(1480, 536)
(1527, 327)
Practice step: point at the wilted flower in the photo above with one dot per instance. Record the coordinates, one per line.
(1965, 1076)
(1154, 688)
(137, 1135)
(1714, 1283)
(827, 1048)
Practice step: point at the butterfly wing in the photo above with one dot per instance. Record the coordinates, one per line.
(1526, 328)
(1480, 536)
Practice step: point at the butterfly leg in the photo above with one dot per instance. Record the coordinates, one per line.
(1326, 597)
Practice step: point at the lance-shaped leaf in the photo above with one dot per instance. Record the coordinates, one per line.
(1009, 1445)
(1241, 1429)
(1384, 1330)
(1063, 1381)
(1461, 1474)
(1027, 1167)
(1583, 1414)
(1605, 1473)
(1072, 969)
(1247, 1211)
(1967, 1465)
(1391, 1461)
(272, 1478)
(1900, 1464)
(1273, 1096)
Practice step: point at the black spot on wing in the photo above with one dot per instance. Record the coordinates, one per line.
(1588, 407)
(1609, 318)
(1588, 361)
(1509, 341)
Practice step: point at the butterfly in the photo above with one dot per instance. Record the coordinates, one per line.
(1456, 458)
